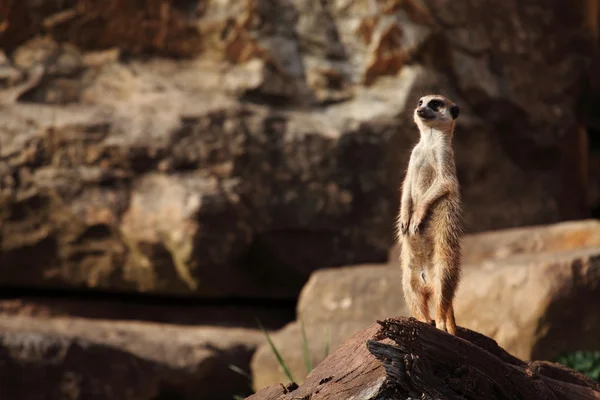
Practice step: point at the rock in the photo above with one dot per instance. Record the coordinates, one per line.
(322, 338)
(524, 300)
(177, 311)
(350, 372)
(334, 304)
(593, 173)
(203, 152)
(61, 358)
(531, 240)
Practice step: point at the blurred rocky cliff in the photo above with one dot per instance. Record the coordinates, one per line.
(229, 148)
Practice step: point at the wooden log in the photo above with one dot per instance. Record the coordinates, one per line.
(401, 358)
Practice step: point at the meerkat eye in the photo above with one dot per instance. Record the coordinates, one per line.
(435, 105)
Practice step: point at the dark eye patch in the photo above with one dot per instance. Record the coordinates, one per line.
(435, 105)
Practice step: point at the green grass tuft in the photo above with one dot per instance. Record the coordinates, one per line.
(243, 373)
(282, 363)
(240, 371)
(307, 360)
(288, 373)
(586, 362)
(327, 339)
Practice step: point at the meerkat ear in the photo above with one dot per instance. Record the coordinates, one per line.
(454, 111)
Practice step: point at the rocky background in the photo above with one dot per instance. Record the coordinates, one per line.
(189, 162)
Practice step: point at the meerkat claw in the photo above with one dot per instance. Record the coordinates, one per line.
(415, 227)
(404, 225)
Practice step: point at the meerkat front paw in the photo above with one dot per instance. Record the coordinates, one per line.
(415, 225)
(416, 221)
(404, 222)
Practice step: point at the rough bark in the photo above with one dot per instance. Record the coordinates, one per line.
(405, 359)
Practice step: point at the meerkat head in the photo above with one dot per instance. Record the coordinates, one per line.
(437, 112)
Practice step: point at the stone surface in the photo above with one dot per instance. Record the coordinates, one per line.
(537, 303)
(200, 148)
(350, 372)
(62, 358)
(531, 240)
(322, 339)
(271, 315)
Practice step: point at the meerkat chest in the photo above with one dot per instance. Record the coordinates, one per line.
(424, 171)
(424, 178)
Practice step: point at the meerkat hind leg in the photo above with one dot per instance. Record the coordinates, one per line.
(445, 286)
(417, 296)
(450, 321)
(416, 292)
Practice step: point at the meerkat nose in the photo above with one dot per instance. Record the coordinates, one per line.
(425, 113)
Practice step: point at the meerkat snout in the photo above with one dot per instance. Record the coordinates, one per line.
(425, 113)
(435, 111)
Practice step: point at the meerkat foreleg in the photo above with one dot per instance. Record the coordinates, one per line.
(416, 293)
(439, 188)
(406, 205)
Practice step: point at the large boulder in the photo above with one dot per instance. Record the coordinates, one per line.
(230, 148)
(235, 314)
(65, 358)
(530, 240)
(321, 338)
(537, 304)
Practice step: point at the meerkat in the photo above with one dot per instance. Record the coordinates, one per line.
(429, 220)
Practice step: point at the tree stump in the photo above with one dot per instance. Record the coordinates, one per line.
(402, 358)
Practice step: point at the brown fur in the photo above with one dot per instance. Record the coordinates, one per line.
(429, 220)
